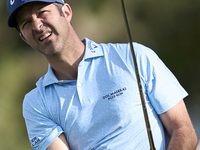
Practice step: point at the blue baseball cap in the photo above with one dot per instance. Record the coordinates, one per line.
(14, 6)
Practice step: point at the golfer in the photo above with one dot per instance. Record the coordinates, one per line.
(89, 99)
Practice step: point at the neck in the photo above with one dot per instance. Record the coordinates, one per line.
(65, 63)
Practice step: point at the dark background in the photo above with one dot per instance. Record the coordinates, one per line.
(170, 28)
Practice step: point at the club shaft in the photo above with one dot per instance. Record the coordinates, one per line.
(150, 137)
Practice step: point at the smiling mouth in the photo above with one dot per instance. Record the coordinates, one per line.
(45, 36)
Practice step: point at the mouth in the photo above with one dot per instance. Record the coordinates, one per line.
(45, 36)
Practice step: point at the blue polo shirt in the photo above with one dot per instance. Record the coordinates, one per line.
(102, 108)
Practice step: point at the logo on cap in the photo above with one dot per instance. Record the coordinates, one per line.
(12, 2)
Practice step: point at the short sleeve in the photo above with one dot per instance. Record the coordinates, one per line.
(162, 88)
(41, 129)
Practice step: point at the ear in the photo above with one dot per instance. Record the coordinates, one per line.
(23, 38)
(67, 11)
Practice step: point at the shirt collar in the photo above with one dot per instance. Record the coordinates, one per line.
(92, 50)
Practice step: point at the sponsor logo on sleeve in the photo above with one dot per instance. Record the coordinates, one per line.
(34, 141)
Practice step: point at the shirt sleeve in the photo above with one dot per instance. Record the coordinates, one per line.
(162, 88)
(42, 131)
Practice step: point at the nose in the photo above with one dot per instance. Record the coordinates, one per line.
(37, 24)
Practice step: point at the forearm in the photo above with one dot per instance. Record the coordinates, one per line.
(183, 139)
(180, 128)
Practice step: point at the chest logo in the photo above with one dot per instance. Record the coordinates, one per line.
(115, 94)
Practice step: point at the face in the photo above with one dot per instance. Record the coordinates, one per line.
(43, 27)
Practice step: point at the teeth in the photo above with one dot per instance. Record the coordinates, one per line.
(45, 36)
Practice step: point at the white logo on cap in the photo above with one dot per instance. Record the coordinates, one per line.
(12, 2)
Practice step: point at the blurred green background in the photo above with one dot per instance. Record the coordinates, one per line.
(170, 28)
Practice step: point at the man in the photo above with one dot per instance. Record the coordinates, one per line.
(89, 98)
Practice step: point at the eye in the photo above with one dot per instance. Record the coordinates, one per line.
(25, 23)
(42, 12)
